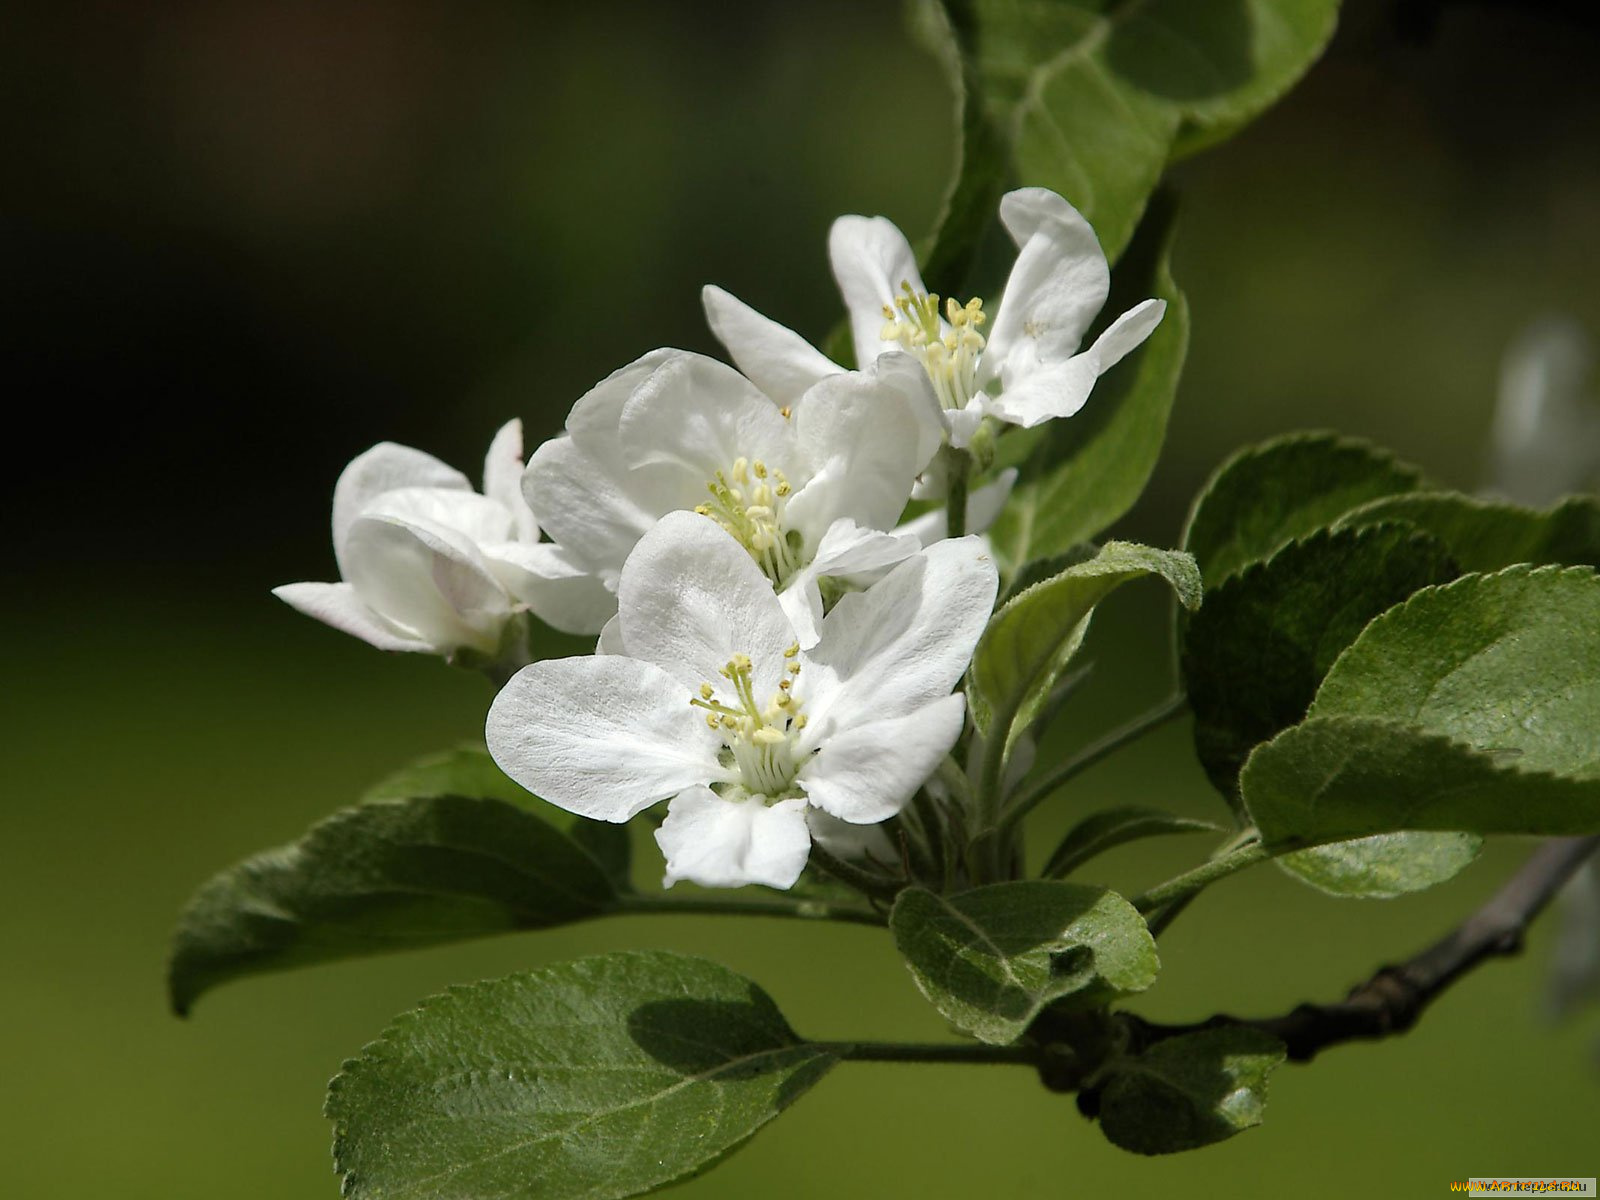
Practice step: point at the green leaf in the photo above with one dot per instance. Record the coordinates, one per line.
(991, 959)
(601, 1078)
(1255, 653)
(1471, 707)
(384, 876)
(1092, 468)
(1189, 1091)
(464, 771)
(1384, 866)
(1092, 98)
(1030, 640)
(1102, 831)
(1267, 496)
(1331, 779)
(1484, 535)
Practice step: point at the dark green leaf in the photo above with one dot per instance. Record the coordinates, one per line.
(464, 771)
(1030, 640)
(1090, 469)
(1471, 707)
(1189, 1091)
(990, 959)
(609, 845)
(385, 876)
(1483, 535)
(1102, 831)
(1266, 496)
(1255, 653)
(1092, 99)
(601, 1078)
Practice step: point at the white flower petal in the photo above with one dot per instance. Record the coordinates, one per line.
(1058, 283)
(427, 579)
(502, 478)
(598, 411)
(729, 843)
(610, 641)
(860, 437)
(476, 518)
(1061, 389)
(868, 772)
(595, 507)
(851, 552)
(962, 423)
(557, 588)
(853, 843)
(1127, 332)
(336, 604)
(983, 508)
(384, 468)
(906, 375)
(691, 598)
(902, 643)
(802, 604)
(601, 736)
(773, 357)
(871, 260)
(698, 415)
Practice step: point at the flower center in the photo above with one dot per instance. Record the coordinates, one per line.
(748, 501)
(949, 349)
(759, 738)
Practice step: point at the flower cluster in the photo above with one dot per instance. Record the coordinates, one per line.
(776, 651)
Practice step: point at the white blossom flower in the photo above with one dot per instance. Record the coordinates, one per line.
(1545, 441)
(430, 565)
(713, 705)
(1026, 370)
(808, 489)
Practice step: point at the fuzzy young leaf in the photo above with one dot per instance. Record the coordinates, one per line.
(601, 1078)
(1254, 655)
(1384, 866)
(1102, 831)
(384, 876)
(1093, 99)
(1088, 472)
(1033, 636)
(1189, 1091)
(1471, 708)
(1484, 535)
(991, 959)
(1267, 496)
(464, 771)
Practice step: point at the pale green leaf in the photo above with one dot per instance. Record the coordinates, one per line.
(1033, 636)
(1471, 707)
(601, 1078)
(991, 959)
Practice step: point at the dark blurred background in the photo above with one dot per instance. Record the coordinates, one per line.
(243, 241)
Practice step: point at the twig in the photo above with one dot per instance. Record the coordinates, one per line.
(1394, 998)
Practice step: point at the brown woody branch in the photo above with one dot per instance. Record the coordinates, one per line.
(1394, 998)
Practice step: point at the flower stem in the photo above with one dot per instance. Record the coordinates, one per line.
(1052, 779)
(932, 1052)
(959, 467)
(1192, 881)
(806, 910)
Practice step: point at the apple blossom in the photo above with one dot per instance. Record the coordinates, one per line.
(714, 706)
(1026, 370)
(430, 565)
(808, 489)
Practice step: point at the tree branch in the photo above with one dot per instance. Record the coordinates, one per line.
(1394, 998)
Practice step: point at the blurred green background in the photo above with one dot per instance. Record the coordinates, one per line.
(243, 241)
